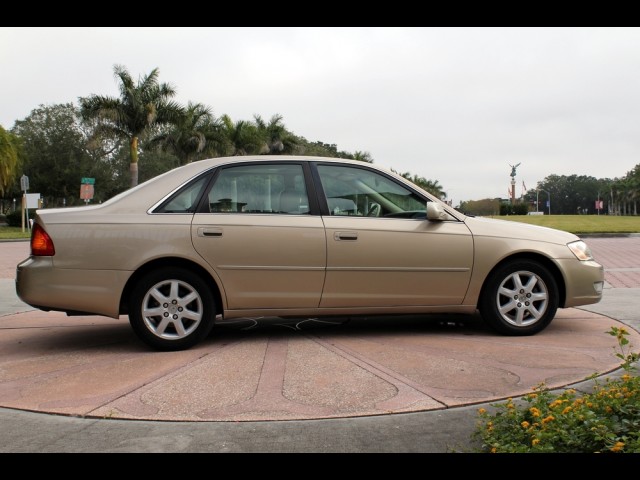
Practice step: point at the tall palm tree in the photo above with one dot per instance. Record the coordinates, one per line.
(633, 178)
(196, 133)
(141, 106)
(243, 137)
(431, 186)
(9, 157)
(363, 156)
(278, 139)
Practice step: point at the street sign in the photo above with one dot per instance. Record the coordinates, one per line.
(86, 192)
(88, 181)
(24, 183)
(33, 200)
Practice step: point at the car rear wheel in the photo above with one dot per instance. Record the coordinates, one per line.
(519, 298)
(171, 309)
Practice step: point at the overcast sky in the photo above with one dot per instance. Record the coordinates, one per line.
(456, 105)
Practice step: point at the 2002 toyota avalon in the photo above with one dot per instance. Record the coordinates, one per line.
(295, 237)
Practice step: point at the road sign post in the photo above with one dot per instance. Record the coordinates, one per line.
(24, 186)
(87, 189)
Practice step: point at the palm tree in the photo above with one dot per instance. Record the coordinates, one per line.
(363, 156)
(196, 133)
(141, 106)
(278, 139)
(431, 186)
(242, 137)
(9, 157)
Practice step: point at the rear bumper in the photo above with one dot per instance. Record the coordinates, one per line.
(41, 285)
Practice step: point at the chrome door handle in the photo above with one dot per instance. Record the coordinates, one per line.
(345, 236)
(209, 232)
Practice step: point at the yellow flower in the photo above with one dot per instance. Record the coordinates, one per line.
(566, 410)
(535, 441)
(548, 419)
(608, 409)
(555, 403)
(494, 449)
(534, 411)
(617, 447)
(525, 424)
(626, 377)
(482, 411)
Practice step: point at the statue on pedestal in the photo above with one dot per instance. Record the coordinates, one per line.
(513, 169)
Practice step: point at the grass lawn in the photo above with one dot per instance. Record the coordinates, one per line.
(578, 224)
(10, 233)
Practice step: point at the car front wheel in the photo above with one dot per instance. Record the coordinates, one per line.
(519, 298)
(171, 309)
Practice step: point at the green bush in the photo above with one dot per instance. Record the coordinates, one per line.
(606, 420)
(511, 209)
(14, 219)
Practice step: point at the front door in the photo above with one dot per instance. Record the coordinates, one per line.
(381, 250)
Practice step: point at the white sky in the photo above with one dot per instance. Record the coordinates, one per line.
(456, 105)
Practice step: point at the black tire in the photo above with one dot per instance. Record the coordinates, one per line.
(519, 298)
(172, 309)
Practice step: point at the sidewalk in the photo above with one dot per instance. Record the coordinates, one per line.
(413, 387)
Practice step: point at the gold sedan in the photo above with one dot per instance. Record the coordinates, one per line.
(295, 237)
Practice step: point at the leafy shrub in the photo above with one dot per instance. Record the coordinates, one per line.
(511, 209)
(606, 420)
(14, 219)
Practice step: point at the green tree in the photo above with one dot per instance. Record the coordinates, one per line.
(56, 157)
(568, 194)
(431, 186)
(317, 148)
(9, 159)
(278, 139)
(628, 189)
(484, 207)
(363, 156)
(195, 135)
(141, 106)
(242, 137)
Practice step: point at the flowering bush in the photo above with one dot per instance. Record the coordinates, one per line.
(606, 420)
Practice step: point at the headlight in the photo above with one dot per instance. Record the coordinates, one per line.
(580, 250)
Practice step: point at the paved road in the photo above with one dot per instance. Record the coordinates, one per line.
(87, 385)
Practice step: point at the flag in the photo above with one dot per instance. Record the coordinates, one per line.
(524, 187)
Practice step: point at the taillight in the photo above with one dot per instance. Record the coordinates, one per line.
(41, 243)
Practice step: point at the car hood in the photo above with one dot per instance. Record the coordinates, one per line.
(492, 227)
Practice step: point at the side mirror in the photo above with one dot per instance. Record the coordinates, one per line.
(435, 212)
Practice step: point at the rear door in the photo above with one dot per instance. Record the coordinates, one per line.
(261, 237)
